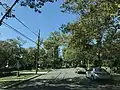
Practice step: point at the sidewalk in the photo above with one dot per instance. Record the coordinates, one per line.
(23, 72)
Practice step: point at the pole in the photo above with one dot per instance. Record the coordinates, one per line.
(18, 74)
(53, 57)
(38, 46)
(18, 63)
(9, 10)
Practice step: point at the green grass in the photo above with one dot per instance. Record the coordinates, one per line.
(12, 78)
(5, 81)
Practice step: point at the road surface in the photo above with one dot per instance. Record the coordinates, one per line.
(65, 79)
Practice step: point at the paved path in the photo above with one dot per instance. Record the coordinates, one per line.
(24, 72)
(65, 79)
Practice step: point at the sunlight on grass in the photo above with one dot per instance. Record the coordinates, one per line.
(13, 78)
(5, 81)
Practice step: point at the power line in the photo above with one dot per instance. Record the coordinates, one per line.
(18, 32)
(2, 5)
(19, 20)
(9, 10)
(24, 25)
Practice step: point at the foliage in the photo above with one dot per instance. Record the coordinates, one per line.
(10, 49)
(51, 45)
(35, 4)
(95, 35)
(91, 39)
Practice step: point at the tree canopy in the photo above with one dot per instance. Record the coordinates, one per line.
(94, 30)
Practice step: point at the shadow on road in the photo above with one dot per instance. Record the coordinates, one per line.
(68, 84)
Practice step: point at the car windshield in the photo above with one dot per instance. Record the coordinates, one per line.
(100, 70)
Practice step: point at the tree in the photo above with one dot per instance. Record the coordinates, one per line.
(35, 4)
(43, 62)
(80, 42)
(9, 51)
(96, 19)
(9, 48)
(30, 57)
(3, 54)
(51, 45)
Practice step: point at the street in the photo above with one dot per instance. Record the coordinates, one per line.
(65, 79)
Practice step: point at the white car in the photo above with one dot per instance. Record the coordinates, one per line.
(80, 70)
(98, 73)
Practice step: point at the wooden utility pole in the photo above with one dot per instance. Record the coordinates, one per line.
(19, 57)
(37, 55)
(9, 10)
(53, 57)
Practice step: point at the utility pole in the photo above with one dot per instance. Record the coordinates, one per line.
(53, 58)
(19, 57)
(9, 10)
(38, 46)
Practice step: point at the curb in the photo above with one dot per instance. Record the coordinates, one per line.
(15, 84)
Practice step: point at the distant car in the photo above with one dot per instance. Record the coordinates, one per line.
(80, 70)
(97, 73)
(64, 66)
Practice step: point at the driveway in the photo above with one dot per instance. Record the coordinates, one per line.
(66, 79)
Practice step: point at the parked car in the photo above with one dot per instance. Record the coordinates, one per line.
(97, 73)
(80, 70)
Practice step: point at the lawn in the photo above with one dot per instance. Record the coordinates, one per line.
(24, 74)
(5, 81)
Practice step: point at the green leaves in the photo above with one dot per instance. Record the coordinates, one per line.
(36, 5)
(96, 23)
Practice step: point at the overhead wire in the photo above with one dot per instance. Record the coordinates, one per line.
(24, 25)
(20, 21)
(3, 6)
(7, 25)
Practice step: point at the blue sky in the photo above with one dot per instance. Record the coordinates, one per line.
(49, 20)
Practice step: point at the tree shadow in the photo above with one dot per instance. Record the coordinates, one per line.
(67, 84)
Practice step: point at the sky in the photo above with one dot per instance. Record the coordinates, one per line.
(49, 20)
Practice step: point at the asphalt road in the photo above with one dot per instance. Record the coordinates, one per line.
(65, 79)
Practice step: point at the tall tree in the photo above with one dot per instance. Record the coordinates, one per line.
(96, 19)
(52, 44)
